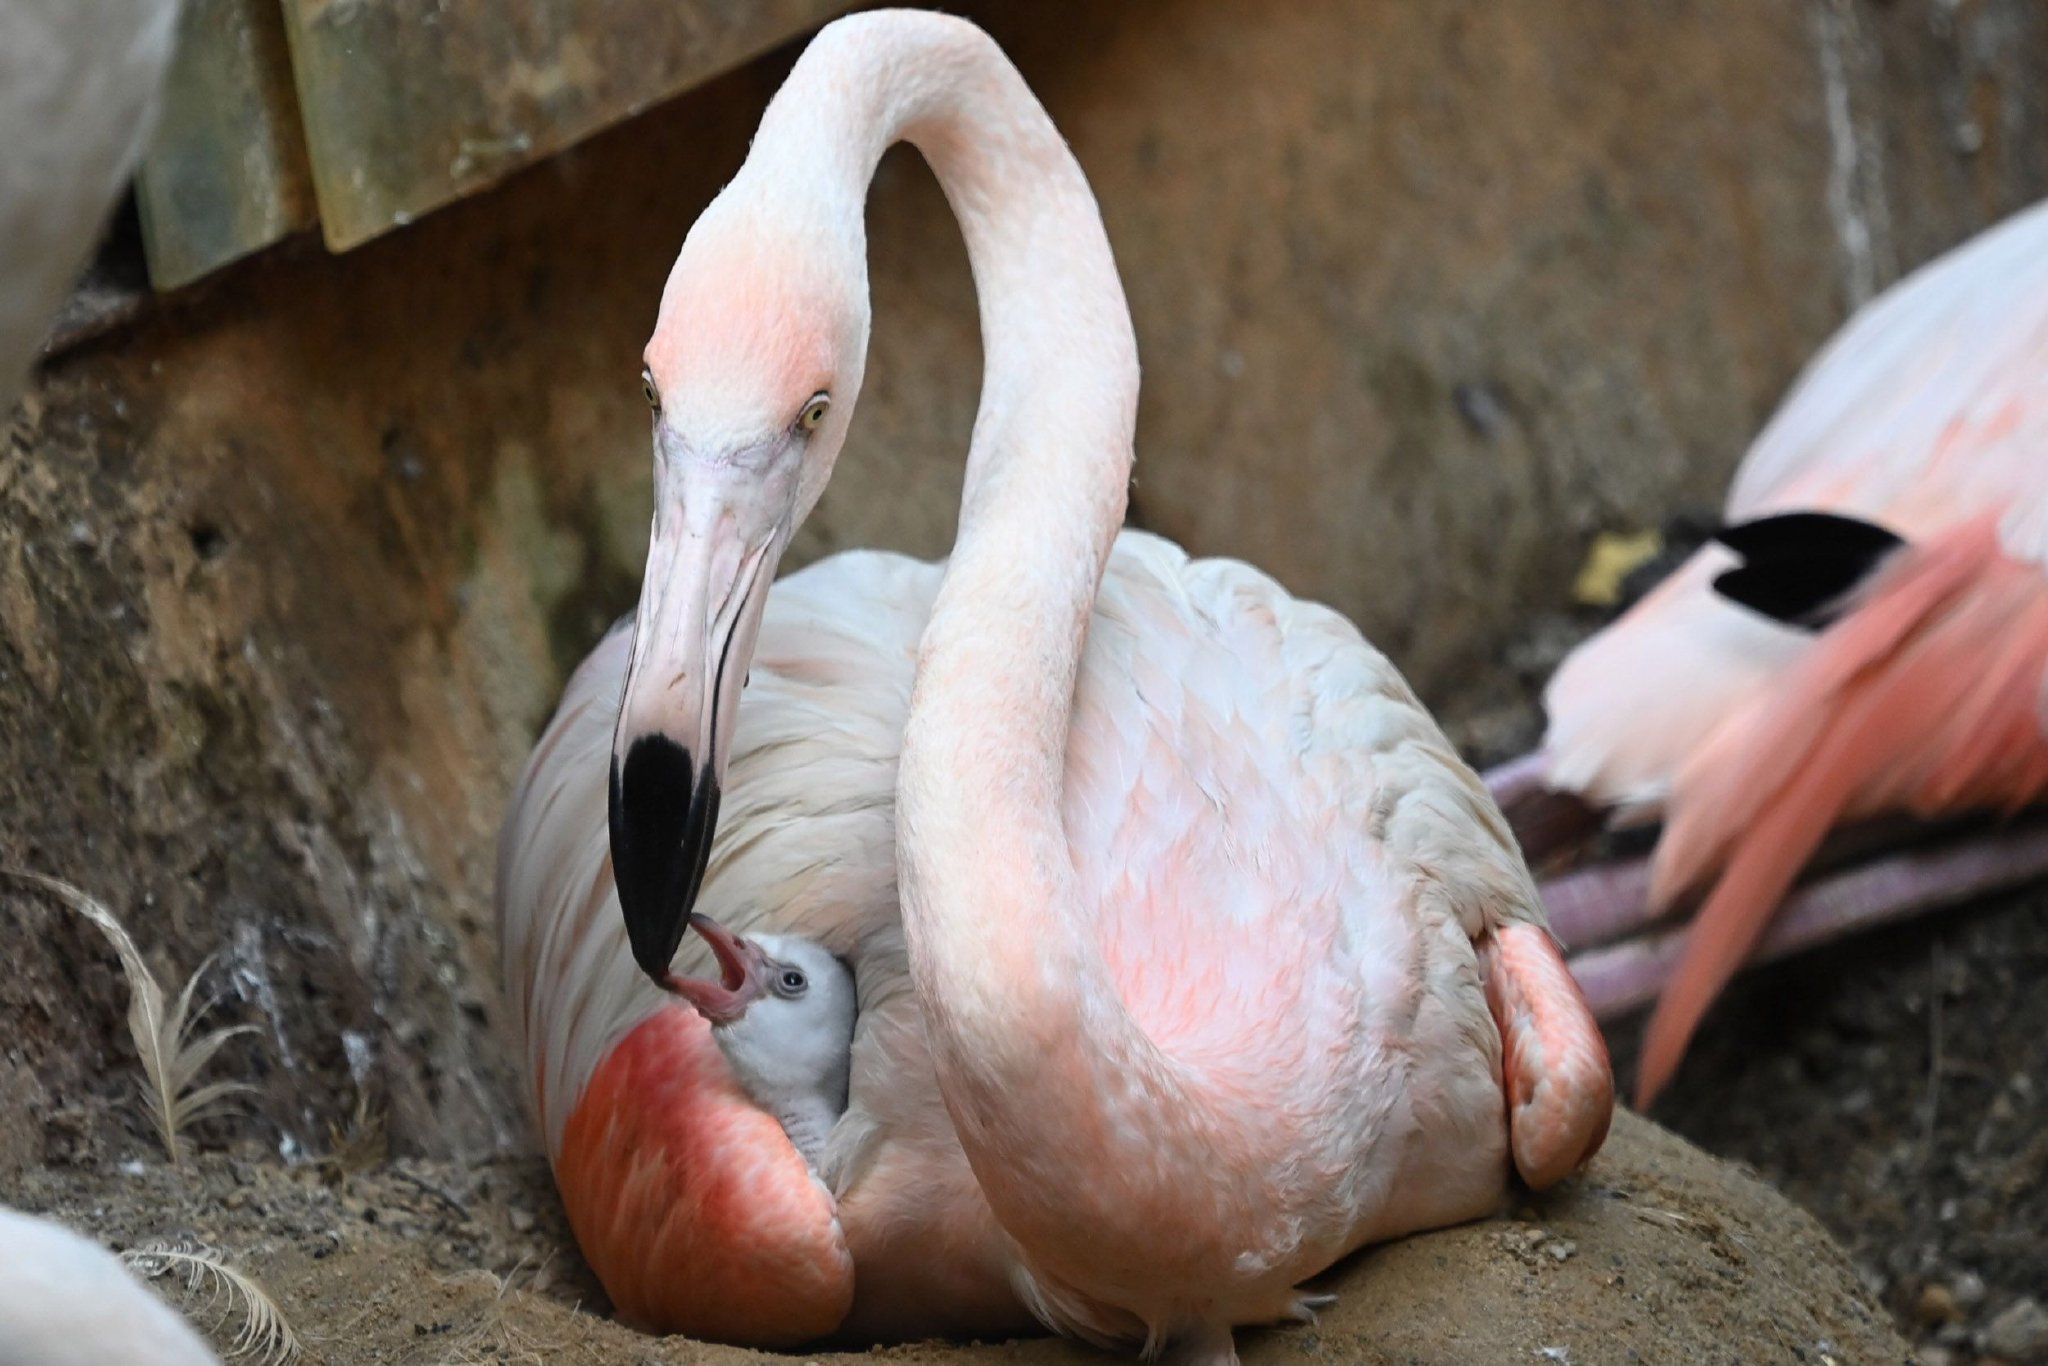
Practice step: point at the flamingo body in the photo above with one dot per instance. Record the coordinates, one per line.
(691, 1204)
(1172, 913)
(1927, 415)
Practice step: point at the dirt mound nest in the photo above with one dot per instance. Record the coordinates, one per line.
(1657, 1253)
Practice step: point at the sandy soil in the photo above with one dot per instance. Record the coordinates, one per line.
(1657, 1253)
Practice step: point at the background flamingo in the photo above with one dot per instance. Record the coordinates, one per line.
(66, 1301)
(1755, 707)
(78, 95)
(1202, 919)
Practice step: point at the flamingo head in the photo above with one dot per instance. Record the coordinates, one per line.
(782, 1012)
(756, 360)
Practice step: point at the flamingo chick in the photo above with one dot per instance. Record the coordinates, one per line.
(1866, 639)
(782, 1013)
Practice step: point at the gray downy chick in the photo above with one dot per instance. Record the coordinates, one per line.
(782, 1014)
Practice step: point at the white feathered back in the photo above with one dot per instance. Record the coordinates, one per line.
(67, 1301)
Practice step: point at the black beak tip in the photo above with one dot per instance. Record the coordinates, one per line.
(663, 811)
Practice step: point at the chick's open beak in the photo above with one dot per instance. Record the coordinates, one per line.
(742, 972)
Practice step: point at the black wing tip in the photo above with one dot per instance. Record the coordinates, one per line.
(1798, 567)
(662, 813)
(1808, 533)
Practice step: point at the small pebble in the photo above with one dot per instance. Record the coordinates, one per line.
(522, 1221)
(1937, 1304)
(2019, 1332)
(1969, 1289)
(1936, 1356)
(1480, 407)
(1561, 1249)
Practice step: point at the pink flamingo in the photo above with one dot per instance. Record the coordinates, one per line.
(1189, 956)
(1869, 639)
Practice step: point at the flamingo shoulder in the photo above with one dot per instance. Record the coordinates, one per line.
(1275, 699)
(1272, 827)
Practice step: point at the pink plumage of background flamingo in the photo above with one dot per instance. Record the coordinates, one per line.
(1887, 657)
(1190, 957)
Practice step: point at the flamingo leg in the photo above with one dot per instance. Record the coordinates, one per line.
(1560, 1086)
(1517, 779)
(1622, 956)
(1592, 911)
(1548, 824)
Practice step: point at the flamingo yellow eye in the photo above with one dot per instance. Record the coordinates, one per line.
(647, 388)
(813, 414)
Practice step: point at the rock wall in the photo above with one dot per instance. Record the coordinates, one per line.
(291, 570)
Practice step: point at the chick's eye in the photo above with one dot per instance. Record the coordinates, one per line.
(793, 981)
(647, 388)
(813, 414)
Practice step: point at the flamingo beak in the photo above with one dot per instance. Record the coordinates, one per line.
(713, 553)
(742, 973)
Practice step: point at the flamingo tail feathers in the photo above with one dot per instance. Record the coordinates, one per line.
(1925, 696)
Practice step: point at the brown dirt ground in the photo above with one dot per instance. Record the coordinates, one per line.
(1657, 1253)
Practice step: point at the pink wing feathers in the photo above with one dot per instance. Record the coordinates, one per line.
(1927, 414)
(651, 1140)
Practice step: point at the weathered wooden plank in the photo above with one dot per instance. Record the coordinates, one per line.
(408, 104)
(227, 172)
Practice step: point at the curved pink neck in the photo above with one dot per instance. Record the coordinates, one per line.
(1028, 1032)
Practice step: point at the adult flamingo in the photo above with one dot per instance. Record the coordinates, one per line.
(1869, 639)
(1201, 920)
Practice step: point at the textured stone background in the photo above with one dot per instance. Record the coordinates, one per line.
(1428, 293)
